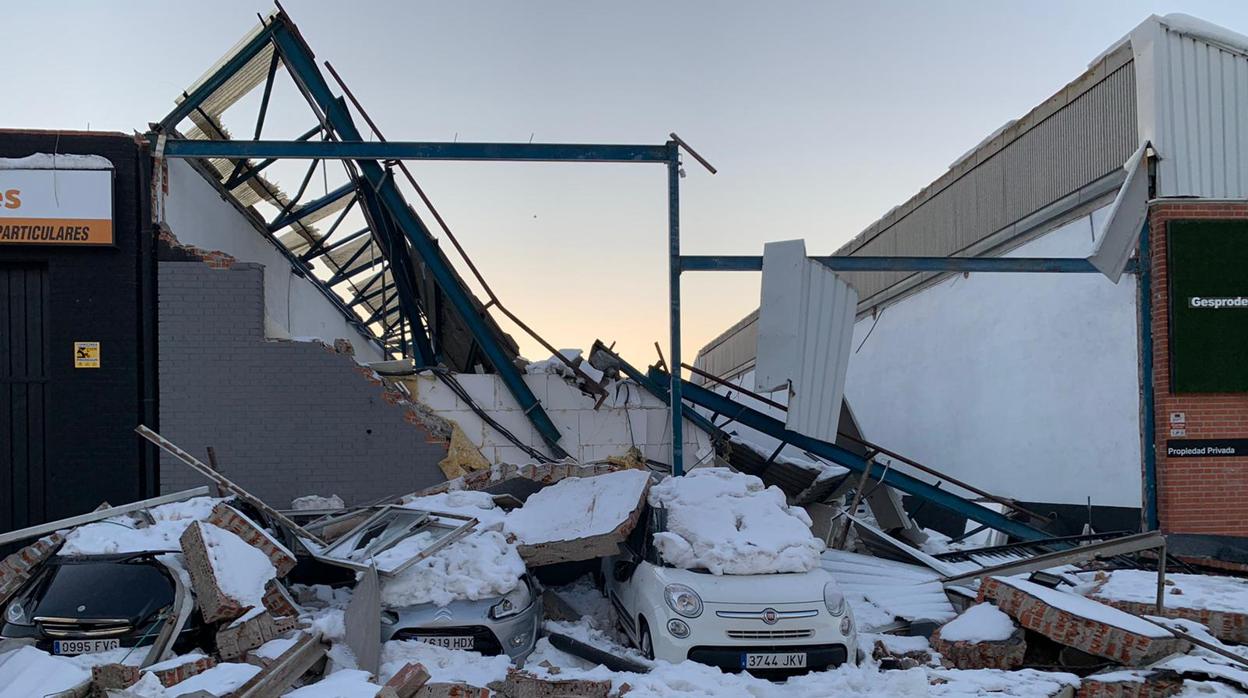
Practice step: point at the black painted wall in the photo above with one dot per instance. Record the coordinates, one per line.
(90, 452)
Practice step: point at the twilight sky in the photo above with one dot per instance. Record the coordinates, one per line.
(820, 116)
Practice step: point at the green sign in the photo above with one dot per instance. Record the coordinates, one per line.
(1208, 271)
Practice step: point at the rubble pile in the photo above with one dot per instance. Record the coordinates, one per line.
(463, 590)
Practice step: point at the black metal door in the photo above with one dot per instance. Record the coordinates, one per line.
(23, 393)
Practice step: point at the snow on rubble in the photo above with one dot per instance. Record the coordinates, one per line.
(241, 570)
(578, 507)
(481, 565)
(124, 534)
(982, 622)
(730, 523)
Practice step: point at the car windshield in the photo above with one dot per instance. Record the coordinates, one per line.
(131, 589)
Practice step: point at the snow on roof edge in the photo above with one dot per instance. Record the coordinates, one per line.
(57, 161)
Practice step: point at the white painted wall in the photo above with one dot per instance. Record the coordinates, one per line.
(293, 306)
(629, 416)
(1025, 385)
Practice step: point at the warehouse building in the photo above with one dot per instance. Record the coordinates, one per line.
(1101, 401)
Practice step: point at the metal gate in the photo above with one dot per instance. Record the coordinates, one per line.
(23, 393)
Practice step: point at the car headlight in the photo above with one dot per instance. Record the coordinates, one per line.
(833, 599)
(512, 603)
(683, 600)
(16, 614)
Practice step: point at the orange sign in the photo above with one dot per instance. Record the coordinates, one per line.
(56, 207)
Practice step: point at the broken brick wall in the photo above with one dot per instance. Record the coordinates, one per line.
(1195, 495)
(286, 418)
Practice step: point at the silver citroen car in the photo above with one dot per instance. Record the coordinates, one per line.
(507, 624)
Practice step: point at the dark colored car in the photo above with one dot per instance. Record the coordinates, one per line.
(93, 603)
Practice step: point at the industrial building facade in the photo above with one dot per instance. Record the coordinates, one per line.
(1055, 389)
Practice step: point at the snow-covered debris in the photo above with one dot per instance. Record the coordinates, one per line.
(478, 566)
(57, 161)
(125, 534)
(881, 591)
(555, 366)
(27, 671)
(313, 502)
(1086, 608)
(479, 505)
(220, 680)
(241, 571)
(982, 622)
(1199, 591)
(444, 665)
(729, 523)
(347, 683)
(579, 518)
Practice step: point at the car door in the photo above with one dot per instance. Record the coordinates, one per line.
(623, 592)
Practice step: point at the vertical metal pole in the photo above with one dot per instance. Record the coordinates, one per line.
(1161, 578)
(1148, 441)
(673, 269)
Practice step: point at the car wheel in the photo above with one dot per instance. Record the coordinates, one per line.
(646, 645)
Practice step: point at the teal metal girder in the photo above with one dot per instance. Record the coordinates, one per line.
(302, 66)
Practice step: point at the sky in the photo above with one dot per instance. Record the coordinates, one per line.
(820, 116)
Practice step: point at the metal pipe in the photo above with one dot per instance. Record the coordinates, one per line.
(1051, 265)
(673, 289)
(351, 149)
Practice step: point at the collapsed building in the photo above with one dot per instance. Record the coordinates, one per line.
(305, 344)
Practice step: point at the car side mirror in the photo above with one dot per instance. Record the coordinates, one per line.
(623, 570)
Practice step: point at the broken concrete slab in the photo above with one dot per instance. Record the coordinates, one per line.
(1079, 622)
(278, 601)
(539, 474)
(406, 681)
(17, 568)
(1131, 683)
(451, 690)
(214, 604)
(230, 519)
(522, 684)
(277, 676)
(579, 518)
(106, 677)
(251, 632)
(985, 654)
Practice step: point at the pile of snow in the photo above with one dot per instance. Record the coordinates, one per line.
(27, 671)
(479, 505)
(220, 680)
(444, 665)
(729, 523)
(340, 684)
(1200, 591)
(313, 502)
(982, 622)
(579, 507)
(475, 567)
(127, 534)
(240, 569)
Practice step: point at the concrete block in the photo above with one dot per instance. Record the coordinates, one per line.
(486, 390)
(214, 604)
(249, 634)
(521, 684)
(1131, 684)
(1108, 634)
(1004, 654)
(181, 672)
(451, 690)
(17, 568)
(278, 601)
(405, 682)
(561, 395)
(230, 519)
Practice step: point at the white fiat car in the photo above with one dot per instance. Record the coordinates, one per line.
(762, 623)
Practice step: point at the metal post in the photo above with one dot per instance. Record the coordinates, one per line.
(673, 268)
(1148, 431)
(1161, 578)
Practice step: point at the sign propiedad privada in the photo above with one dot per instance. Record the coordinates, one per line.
(50, 206)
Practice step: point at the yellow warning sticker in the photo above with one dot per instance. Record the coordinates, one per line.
(86, 354)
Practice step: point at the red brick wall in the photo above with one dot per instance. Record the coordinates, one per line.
(1194, 495)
